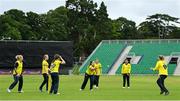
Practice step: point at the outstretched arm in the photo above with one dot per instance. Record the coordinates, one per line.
(156, 67)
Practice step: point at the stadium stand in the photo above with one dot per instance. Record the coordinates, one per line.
(107, 53)
(148, 50)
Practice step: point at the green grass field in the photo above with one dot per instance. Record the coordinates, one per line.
(142, 88)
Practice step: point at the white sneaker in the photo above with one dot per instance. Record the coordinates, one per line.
(123, 87)
(81, 89)
(8, 90)
(57, 93)
(95, 87)
(128, 87)
(21, 91)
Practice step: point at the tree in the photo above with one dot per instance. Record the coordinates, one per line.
(36, 27)
(9, 28)
(84, 23)
(124, 29)
(161, 25)
(57, 24)
(14, 22)
(12, 33)
(103, 24)
(17, 15)
(175, 33)
(81, 25)
(146, 30)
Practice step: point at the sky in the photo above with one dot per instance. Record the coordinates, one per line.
(136, 10)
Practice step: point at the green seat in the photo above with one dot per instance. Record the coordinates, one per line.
(150, 53)
(107, 53)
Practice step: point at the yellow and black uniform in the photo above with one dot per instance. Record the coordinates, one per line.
(45, 67)
(125, 71)
(89, 74)
(56, 65)
(98, 67)
(90, 70)
(98, 72)
(18, 68)
(45, 70)
(161, 67)
(17, 75)
(55, 76)
(163, 72)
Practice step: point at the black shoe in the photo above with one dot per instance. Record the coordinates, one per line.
(161, 92)
(166, 93)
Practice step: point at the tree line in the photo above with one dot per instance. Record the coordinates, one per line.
(85, 23)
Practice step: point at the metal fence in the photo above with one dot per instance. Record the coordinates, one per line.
(142, 41)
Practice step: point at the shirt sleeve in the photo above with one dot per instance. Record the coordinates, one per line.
(156, 67)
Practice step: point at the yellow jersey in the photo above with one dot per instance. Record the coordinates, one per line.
(55, 68)
(18, 70)
(45, 67)
(90, 70)
(161, 67)
(126, 68)
(98, 68)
